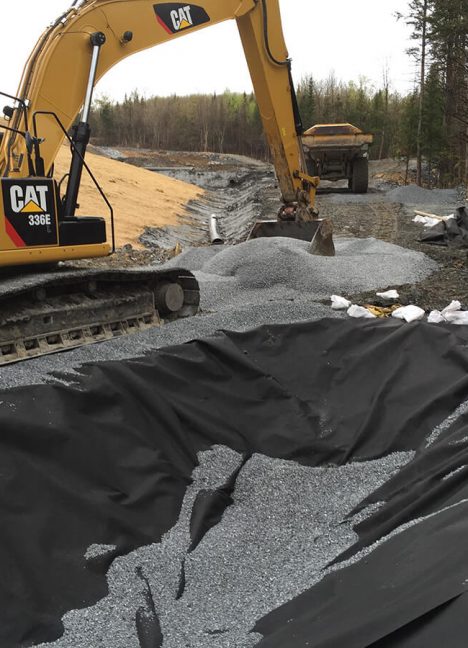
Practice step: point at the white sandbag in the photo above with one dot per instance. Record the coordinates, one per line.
(409, 313)
(390, 294)
(436, 317)
(359, 312)
(339, 303)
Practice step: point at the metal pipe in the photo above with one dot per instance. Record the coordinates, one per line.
(82, 132)
(214, 234)
(97, 41)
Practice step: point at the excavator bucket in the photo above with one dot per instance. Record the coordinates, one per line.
(318, 231)
(322, 242)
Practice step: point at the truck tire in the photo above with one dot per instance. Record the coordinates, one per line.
(312, 167)
(360, 180)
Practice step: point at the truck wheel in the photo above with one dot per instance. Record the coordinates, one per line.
(312, 167)
(360, 180)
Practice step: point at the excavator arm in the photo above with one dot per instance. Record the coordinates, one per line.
(56, 76)
(70, 307)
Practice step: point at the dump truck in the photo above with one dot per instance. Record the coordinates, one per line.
(339, 152)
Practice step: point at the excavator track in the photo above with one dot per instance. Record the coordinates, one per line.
(51, 312)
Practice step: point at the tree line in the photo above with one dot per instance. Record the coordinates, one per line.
(429, 123)
(226, 123)
(230, 122)
(436, 115)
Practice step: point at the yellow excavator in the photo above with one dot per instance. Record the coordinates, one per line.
(56, 308)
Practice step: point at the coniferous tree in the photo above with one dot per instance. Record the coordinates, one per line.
(418, 18)
(433, 144)
(306, 99)
(407, 136)
(449, 49)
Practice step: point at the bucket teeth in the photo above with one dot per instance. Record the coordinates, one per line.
(322, 242)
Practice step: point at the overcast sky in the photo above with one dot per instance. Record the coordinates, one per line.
(351, 39)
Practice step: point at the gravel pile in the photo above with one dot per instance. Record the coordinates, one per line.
(281, 269)
(407, 195)
(194, 259)
(286, 524)
(414, 195)
(345, 197)
(107, 151)
(264, 281)
(266, 263)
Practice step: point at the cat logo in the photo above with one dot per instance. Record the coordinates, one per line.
(30, 213)
(28, 199)
(175, 17)
(32, 201)
(181, 19)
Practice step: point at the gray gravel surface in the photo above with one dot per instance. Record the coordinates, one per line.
(415, 195)
(438, 431)
(264, 281)
(401, 529)
(286, 523)
(346, 197)
(284, 267)
(406, 195)
(62, 367)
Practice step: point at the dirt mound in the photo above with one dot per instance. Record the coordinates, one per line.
(139, 197)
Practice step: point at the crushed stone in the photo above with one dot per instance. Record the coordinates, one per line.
(447, 423)
(462, 441)
(407, 195)
(414, 195)
(282, 269)
(263, 281)
(453, 473)
(99, 550)
(286, 524)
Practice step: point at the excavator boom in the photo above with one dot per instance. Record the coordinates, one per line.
(39, 225)
(56, 76)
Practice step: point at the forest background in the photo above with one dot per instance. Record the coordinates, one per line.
(430, 123)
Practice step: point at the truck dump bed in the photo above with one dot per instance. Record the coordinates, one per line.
(337, 136)
(338, 152)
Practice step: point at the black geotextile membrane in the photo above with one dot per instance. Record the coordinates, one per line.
(108, 462)
(450, 233)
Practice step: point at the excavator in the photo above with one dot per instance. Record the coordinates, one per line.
(46, 303)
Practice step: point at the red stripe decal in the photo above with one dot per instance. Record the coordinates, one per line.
(13, 234)
(163, 24)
